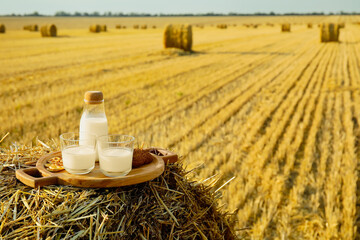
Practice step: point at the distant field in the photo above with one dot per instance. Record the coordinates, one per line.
(17, 23)
(280, 112)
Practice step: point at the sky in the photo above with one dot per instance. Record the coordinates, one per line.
(50, 7)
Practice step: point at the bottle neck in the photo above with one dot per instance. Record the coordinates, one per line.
(94, 110)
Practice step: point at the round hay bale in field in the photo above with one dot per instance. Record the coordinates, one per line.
(221, 26)
(136, 26)
(171, 206)
(144, 26)
(96, 28)
(2, 28)
(103, 28)
(154, 26)
(324, 33)
(334, 32)
(34, 28)
(329, 32)
(309, 25)
(48, 30)
(31, 28)
(118, 26)
(286, 27)
(178, 36)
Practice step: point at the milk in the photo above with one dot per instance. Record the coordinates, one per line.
(79, 159)
(115, 161)
(93, 126)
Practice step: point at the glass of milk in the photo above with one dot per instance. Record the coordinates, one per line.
(78, 154)
(115, 154)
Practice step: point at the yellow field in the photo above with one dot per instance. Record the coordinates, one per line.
(276, 113)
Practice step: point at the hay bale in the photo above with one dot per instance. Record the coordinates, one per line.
(168, 207)
(48, 30)
(221, 26)
(154, 26)
(324, 33)
(103, 28)
(286, 27)
(309, 25)
(136, 26)
(329, 32)
(341, 25)
(96, 28)
(118, 26)
(144, 26)
(178, 36)
(34, 28)
(31, 28)
(334, 31)
(2, 28)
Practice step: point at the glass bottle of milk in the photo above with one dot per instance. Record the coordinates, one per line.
(93, 120)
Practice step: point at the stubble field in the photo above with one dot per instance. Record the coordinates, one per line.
(274, 115)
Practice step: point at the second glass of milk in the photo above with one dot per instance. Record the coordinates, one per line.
(78, 155)
(115, 154)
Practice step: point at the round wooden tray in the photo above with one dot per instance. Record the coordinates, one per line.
(39, 176)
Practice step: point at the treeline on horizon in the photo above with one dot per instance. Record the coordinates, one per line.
(120, 14)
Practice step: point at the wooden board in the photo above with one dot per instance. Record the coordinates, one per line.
(39, 176)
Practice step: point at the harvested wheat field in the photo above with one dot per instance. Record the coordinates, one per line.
(273, 117)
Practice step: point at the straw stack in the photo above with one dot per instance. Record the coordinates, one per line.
(221, 26)
(329, 32)
(144, 26)
(168, 207)
(103, 28)
(2, 28)
(136, 26)
(309, 25)
(48, 30)
(96, 28)
(31, 28)
(178, 36)
(286, 27)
